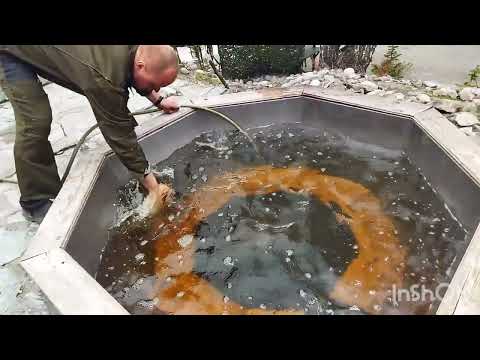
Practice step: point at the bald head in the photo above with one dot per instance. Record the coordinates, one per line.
(155, 66)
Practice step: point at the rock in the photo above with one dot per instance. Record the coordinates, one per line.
(377, 92)
(268, 77)
(329, 78)
(476, 102)
(476, 92)
(168, 91)
(358, 88)
(430, 84)
(448, 106)
(287, 84)
(390, 92)
(423, 98)
(466, 119)
(308, 76)
(349, 73)
(184, 71)
(406, 82)
(250, 83)
(315, 82)
(417, 83)
(264, 83)
(467, 131)
(449, 92)
(467, 94)
(469, 106)
(399, 96)
(369, 86)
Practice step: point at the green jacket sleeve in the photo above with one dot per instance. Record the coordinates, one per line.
(117, 126)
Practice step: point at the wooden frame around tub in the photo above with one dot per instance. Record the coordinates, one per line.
(73, 291)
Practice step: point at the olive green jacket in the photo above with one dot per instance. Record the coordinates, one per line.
(102, 73)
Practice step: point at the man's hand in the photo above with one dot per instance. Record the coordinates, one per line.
(169, 105)
(158, 194)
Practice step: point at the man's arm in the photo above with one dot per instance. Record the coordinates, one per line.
(117, 127)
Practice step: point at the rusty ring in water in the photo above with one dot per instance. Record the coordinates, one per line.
(365, 283)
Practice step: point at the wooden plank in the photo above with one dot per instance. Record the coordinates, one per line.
(69, 287)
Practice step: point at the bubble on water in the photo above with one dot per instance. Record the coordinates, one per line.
(263, 307)
(354, 308)
(139, 256)
(180, 294)
(290, 135)
(372, 292)
(302, 293)
(279, 135)
(204, 178)
(323, 169)
(171, 217)
(380, 232)
(229, 285)
(179, 257)
(201, 169)
(289, 252)
(267, 209)
(228, 238)
(390, 173)
(377, 308)
(355, 247)
(308, 275)
(111, 267)
(319, 153)
(185, 240)
(202, 240)
(228, 261)
(194, 177)
(250, 298)
(156, 259)
(329, 312)
(226, 299)
(287, 259)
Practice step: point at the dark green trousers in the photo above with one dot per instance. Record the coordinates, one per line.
(37, 171)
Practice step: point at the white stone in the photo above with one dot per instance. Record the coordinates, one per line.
(466, 119)
(168, 91)
(476, 92)
(308, 76)
(377, 92)
(423, 98)
(315, 82)
(369, 86)
(430, 84)
(184, 71)
(448, 106)
(329, 78)
(264, 83)
(349, 73)
(449, 92)
(467, 94)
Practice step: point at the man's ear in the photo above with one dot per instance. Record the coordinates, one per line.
(140, 64)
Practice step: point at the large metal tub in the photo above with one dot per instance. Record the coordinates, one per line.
(448, 162)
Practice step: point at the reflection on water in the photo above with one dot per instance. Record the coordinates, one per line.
(320, 225)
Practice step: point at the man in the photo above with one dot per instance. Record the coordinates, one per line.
(101, 73)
